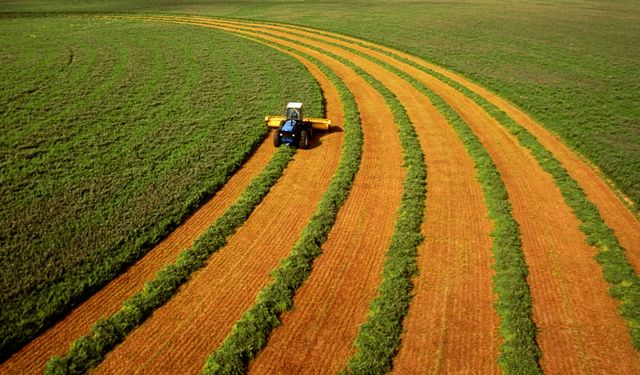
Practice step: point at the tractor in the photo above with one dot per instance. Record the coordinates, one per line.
(293, 129)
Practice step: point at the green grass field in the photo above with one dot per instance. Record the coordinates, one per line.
(570, 64)
(113, 132)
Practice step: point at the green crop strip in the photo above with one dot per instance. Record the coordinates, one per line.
(624, 283)
(86, 352)
(379, 338)
(114, 132)
(251, 333)
(519, 352)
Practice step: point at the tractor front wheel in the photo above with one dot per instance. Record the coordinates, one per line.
(304, 139)
(277, 141)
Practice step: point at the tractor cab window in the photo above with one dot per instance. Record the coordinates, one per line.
(293, 113)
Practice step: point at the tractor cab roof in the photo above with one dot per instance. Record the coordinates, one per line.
(294, 105)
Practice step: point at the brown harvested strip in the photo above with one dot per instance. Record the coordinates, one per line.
(56, 340)
(360, 238)
(616, 215)
(572, 307)
(456, 267)
(178, 337)
(579, 327)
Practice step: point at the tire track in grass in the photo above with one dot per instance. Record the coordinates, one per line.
(584, 336)
(108, 300)
(213, 300)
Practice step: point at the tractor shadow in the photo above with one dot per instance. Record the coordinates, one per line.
(316, 139)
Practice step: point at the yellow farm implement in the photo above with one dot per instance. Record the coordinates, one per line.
(293, 128)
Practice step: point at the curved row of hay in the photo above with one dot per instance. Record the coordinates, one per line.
(493, 190)
(114, 132)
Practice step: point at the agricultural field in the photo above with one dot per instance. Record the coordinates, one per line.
(473, 209)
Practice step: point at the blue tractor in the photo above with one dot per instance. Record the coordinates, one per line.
(293, 129)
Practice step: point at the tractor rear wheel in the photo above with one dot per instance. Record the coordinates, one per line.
(277, 141)
(304, 139)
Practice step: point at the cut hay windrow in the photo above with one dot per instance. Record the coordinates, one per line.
(251, 333)
(624, 283)
(519, 352)
(86, 352)
(379, 338)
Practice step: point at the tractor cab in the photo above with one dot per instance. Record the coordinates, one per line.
(293, 111)
(294, 129)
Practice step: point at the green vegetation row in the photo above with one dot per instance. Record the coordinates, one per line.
(379, 338)
(114, 132)
(251, 333)
(519, 352)
(88, 351)
(624, 283)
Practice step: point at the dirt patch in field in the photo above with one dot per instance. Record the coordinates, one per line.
(56, 340)
(179, 336)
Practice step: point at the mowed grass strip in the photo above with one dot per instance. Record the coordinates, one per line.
(114, 132)
(624, 283)
(86, 352)
(519, 352)
(251, 333)
(378, 339)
